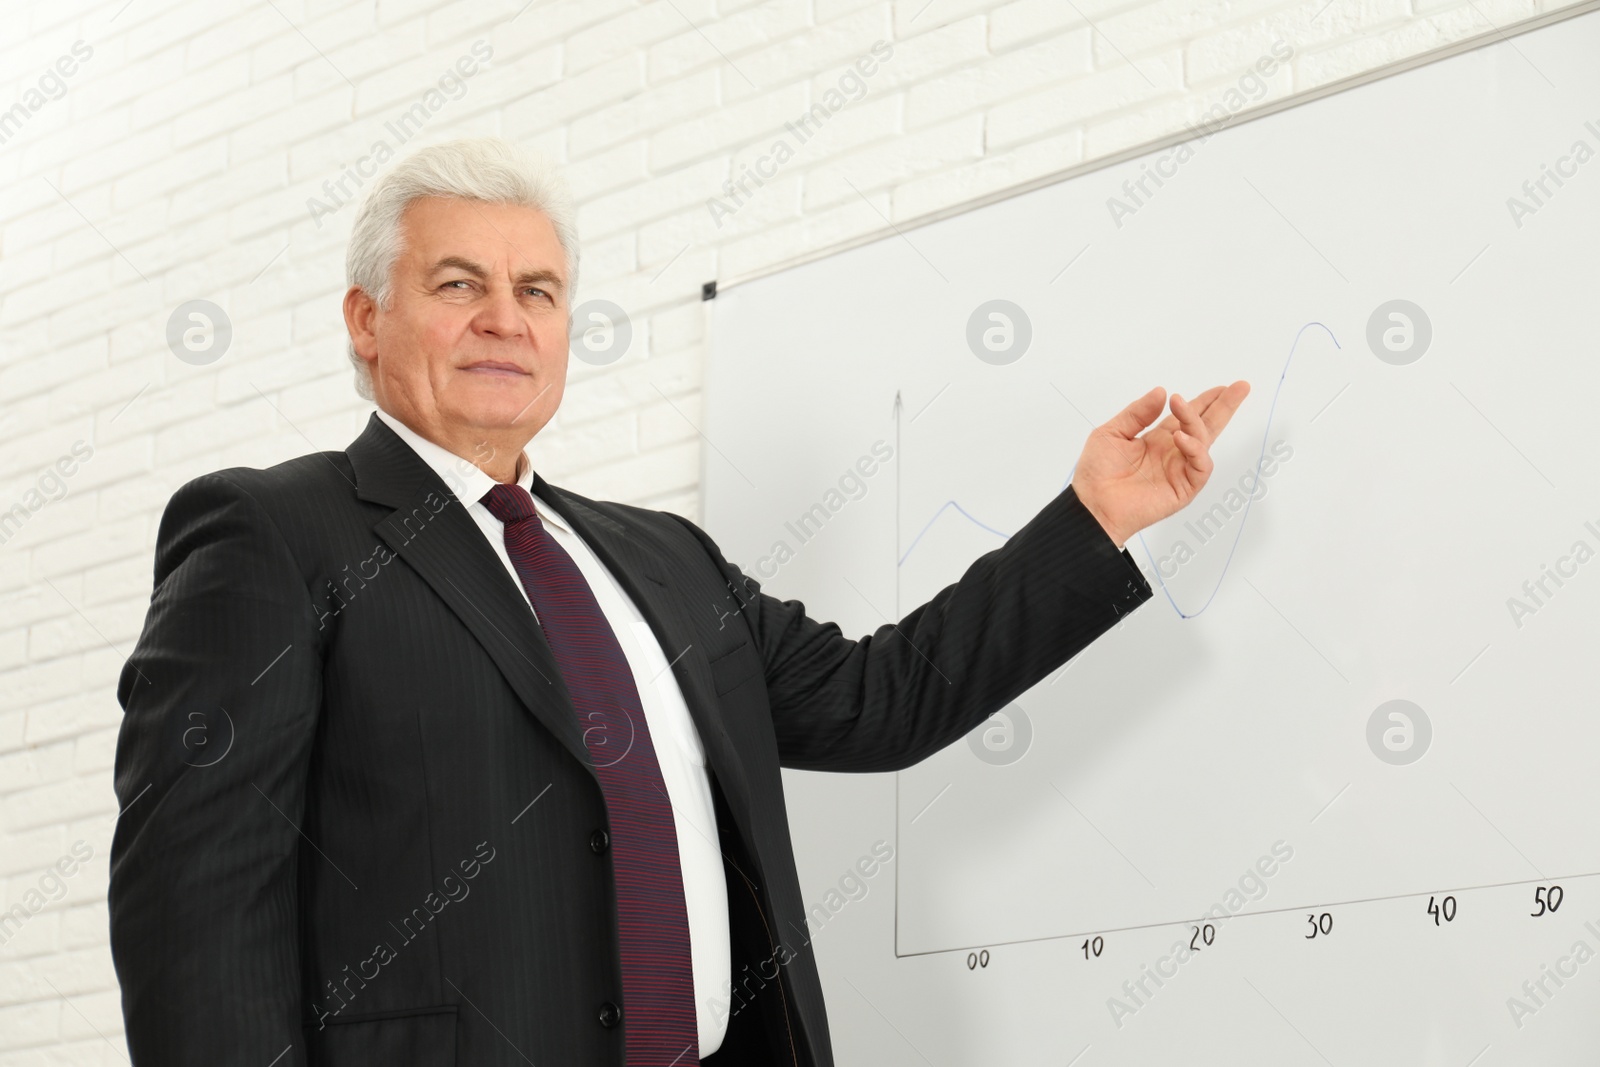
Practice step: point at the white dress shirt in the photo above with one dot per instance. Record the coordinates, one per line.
(672, 731)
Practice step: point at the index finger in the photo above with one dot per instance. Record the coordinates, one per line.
(1220, 411)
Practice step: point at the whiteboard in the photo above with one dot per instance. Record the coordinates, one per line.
(1330, 796)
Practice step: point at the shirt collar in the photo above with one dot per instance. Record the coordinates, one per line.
(465, 479)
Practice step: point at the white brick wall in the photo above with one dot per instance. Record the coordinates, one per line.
(177, 165)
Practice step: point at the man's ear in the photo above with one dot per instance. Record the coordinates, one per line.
(360, 319)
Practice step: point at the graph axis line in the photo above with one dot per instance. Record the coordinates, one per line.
(1246, 914)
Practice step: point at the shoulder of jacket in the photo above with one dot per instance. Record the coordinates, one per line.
(292, 482)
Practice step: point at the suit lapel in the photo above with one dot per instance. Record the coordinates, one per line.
(637, 570)
(431, 530)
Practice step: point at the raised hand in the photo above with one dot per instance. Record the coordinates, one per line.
(1128, 481)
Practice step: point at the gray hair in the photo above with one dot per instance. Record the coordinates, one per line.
(486, 169)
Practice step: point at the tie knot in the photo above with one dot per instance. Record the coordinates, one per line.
(509, 503)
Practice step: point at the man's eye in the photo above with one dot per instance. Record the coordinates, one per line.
(457, 281)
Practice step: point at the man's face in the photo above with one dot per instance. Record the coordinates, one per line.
(472, 351)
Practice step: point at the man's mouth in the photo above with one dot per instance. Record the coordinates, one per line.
(496, 367)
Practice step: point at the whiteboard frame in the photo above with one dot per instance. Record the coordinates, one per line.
(1272, 107)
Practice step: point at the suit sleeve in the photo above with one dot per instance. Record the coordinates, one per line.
(890, 699)
(220, 700)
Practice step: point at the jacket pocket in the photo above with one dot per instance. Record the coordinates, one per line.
(419, 1037)
(731, 668)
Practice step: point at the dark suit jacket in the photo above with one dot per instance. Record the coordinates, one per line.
(359, 822)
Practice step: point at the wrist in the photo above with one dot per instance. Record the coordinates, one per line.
(1093, 507)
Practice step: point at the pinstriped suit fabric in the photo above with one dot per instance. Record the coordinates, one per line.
(390, 864)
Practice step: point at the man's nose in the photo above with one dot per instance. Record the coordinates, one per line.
(500, 315)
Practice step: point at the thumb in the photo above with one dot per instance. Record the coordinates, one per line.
(1131, 420)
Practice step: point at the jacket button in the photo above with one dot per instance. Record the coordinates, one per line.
(610, 1015)
(599, 841)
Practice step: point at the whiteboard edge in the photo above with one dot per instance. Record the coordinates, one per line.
(1461, 47)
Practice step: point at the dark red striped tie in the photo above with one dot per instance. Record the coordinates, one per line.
(658, 1014)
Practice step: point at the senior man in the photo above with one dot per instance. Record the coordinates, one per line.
(426, 761)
